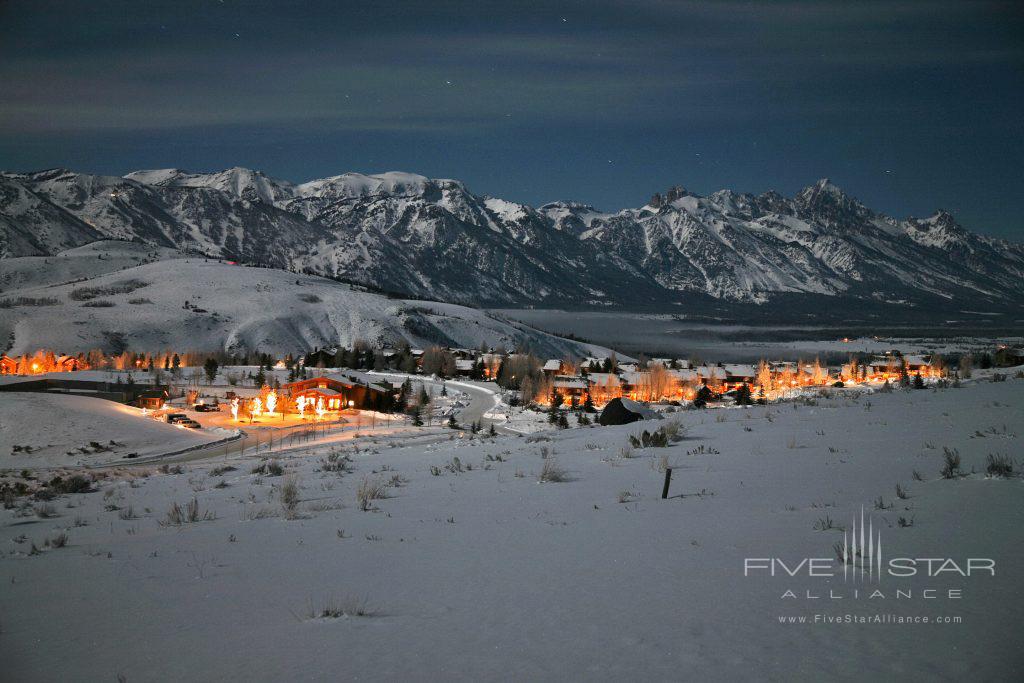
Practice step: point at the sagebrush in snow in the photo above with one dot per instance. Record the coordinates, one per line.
(334, 608)
(370, 490)
(176, 515)
(290, 495)
(999, 465)
(551, 472)
(951, 463)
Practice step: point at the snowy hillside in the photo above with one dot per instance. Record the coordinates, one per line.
(469, 567)
(131, 300)
(433, 238)
(90, 431)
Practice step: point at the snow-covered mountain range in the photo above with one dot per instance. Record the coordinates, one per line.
(433, 238)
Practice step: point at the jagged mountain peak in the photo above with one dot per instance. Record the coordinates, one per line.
(405, 232)
(348, 185)
(239, 182)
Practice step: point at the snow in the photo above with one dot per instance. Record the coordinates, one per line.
(359, 185)
(241, 307)
(57, 427)
(485, 574)
(509, 211)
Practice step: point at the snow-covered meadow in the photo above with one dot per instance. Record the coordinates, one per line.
(469, 567)
(39, 430)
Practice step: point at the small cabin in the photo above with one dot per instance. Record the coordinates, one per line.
(552, 367)
(8, 366)
(151, 399)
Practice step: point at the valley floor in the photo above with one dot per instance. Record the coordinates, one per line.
(470, 568)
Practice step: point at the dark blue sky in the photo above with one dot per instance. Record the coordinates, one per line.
(909, 106)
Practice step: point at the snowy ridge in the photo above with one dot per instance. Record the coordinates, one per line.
(112, 294)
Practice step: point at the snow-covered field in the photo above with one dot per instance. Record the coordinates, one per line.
(665, 334)
(90, 298)
(470, 568)
(60, 430)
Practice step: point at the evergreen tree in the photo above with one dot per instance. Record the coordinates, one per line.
(703, 396)
(743, 395)
(417, 419)
(555, 402)
(261, 378)
(563, 422)
(210, 367)
(452, 424)
(491, 431)
(918, 382)
(588, 404)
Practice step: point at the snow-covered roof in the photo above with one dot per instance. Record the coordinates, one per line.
(740, 370)
(464, 364)
(554, 365)
(712, 371)
(571, 383)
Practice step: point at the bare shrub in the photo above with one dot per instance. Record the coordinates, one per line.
(951, 463)
(336, 462)
(270, 468)
(901, 492)
(334, 608)
(58, 541)
(290, 495)
(999, 465)
(28, 301)
(825, 524)
(45, 511)
(551, 472)
(87, 293)
(261, 513)
(177, 516)
(674, 430)
(370, 490)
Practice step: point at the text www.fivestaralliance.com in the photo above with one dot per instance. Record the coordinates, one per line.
(835, 619)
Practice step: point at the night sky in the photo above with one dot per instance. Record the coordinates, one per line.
(908, 106)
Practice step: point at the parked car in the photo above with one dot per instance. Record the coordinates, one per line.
(206, 407)
(190, 424)
(175, 418)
